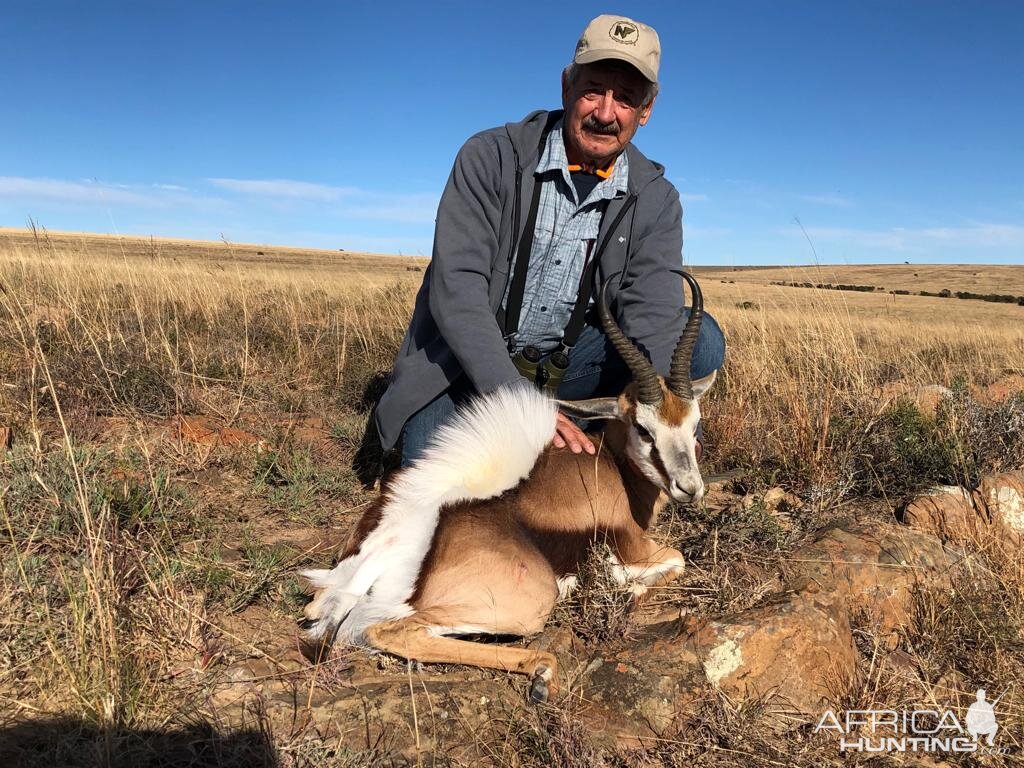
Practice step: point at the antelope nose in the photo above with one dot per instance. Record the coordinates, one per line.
(692, 492)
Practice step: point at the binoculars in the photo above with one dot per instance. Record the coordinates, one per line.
(547, 373)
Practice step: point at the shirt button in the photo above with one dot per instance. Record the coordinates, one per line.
(558, 261)
(543, 309)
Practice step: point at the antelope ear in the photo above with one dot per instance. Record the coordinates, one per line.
(596, 408)
(700, 386)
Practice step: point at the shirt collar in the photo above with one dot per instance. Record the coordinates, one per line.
(554, 158)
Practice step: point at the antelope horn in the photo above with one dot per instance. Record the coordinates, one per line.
(679, 380)
(646, 378)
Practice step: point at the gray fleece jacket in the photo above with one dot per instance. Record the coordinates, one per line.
(453, 331)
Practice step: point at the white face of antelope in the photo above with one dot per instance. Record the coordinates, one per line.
(662, 442)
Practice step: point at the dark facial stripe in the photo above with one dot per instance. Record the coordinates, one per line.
(658, 464)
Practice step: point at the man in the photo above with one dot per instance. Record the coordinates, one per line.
(566, 197)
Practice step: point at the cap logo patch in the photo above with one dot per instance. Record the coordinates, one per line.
(624, 32)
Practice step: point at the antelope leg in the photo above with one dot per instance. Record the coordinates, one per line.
(411, 638)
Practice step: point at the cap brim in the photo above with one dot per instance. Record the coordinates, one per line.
(594, 54)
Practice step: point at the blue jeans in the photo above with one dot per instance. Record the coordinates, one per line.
(595, 370)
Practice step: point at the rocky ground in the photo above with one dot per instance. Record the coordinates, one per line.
(795, 651)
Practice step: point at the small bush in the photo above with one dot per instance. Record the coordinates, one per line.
(905, 451)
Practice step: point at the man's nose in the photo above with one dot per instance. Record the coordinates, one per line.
(605, 112)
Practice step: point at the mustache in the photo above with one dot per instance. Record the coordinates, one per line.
(591, 124)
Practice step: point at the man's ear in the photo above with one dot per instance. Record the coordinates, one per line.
(645, 112)
(700, 386)
(596, 408)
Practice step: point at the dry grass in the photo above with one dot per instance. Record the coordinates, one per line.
(139, 567)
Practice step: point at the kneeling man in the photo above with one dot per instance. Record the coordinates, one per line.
(534, 214)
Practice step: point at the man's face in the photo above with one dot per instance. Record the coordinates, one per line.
(602, 110)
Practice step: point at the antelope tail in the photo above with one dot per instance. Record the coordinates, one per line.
(488, 447)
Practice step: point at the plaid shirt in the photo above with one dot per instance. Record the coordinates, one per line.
(560, 242)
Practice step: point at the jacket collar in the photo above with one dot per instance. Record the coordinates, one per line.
(526, 135)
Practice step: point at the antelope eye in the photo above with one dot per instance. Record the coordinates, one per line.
(642, 432)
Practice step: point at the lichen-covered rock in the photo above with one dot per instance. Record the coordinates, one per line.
(796, 650)
(1003, 497)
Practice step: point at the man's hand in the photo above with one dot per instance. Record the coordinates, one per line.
(568, 434)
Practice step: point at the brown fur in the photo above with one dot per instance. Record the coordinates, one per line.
(674, 409)
(366, 525)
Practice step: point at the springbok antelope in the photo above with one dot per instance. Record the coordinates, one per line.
(486, 531)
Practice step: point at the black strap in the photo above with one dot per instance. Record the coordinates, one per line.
(579, 311)
(517, 290)
(508, 316)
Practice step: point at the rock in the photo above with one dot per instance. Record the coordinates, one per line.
(993, 514)
(948, 511)
(1000, 390)
(926, 397)
(794, 649)
(797, 651)
(871, 570)
(1003, 497)
(635, 694)
(773, 500)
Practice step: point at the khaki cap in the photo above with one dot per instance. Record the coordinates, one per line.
(619, 37)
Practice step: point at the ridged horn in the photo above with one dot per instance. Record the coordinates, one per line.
(679, 380)
(646, 378)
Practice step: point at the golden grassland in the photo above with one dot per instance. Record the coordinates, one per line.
(140, 566)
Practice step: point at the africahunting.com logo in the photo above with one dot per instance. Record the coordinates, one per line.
(917, 730)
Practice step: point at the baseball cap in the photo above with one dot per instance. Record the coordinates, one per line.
(619, 37)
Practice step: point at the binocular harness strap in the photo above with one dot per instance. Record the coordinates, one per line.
(518, 288)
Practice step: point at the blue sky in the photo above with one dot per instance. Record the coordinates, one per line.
(890, 130)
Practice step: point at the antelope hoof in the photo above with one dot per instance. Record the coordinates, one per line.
(539, 691)
(542, 685)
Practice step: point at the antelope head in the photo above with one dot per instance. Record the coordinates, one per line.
(659, 415)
